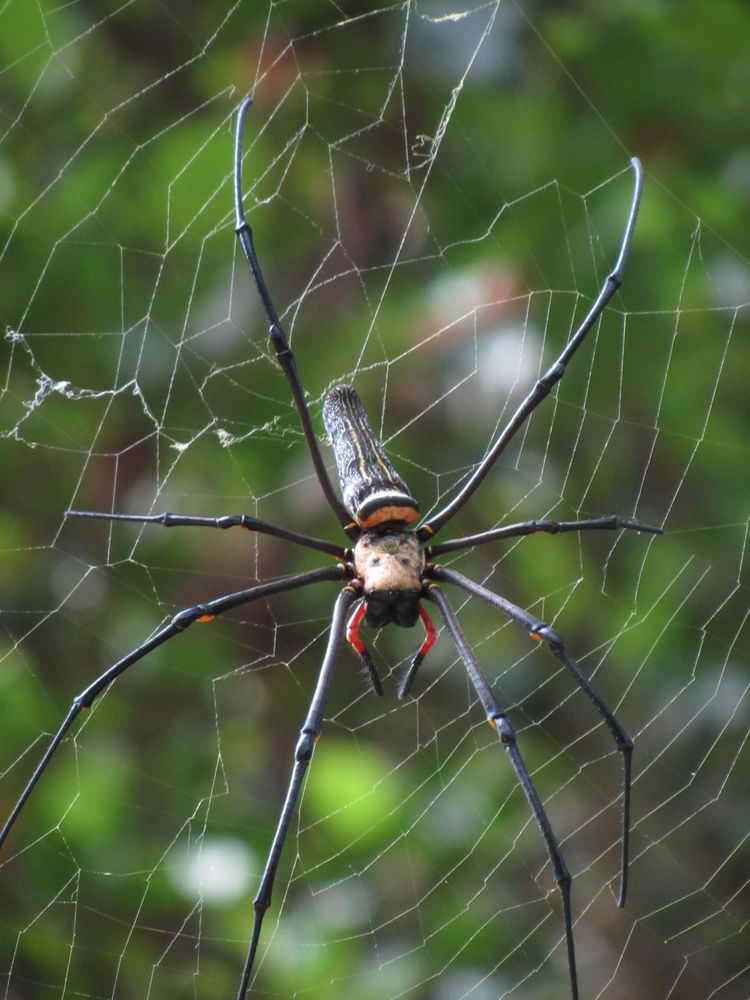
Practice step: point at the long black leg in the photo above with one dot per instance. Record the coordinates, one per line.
(182, 620)
(277, 335)
(545, 384)
(308, 737)
(499, 722)
(226, 521)
(543, 633)
(609, 522)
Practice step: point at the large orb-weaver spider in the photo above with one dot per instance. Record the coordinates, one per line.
(388, 572)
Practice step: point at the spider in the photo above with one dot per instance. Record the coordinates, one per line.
(387, 571)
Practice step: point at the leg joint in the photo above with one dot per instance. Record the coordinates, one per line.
(551, 377)
(562, 877)
(278, 339)
(305, 746)
(184, 618)
(84, 700)
(261, 902)
(548, 635)
(504, 729)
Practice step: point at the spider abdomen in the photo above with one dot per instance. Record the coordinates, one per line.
(373, 491)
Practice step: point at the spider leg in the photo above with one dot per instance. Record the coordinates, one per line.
(553, 375)
(182, 620)
(302, 755)
(278, 337)
(506, 734)
(352, 637)
(609, 522)
(427, 644)
(543, 633)
(226, 521)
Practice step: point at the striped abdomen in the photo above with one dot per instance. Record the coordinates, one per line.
(373, 491)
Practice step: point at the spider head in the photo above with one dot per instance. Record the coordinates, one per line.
(390, 567)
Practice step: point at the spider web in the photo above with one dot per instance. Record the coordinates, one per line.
(437, 192)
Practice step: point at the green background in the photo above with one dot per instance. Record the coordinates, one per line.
(436, 192)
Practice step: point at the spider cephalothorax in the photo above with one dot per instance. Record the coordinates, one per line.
(390, 565)
(386, 576)
(387, 569)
